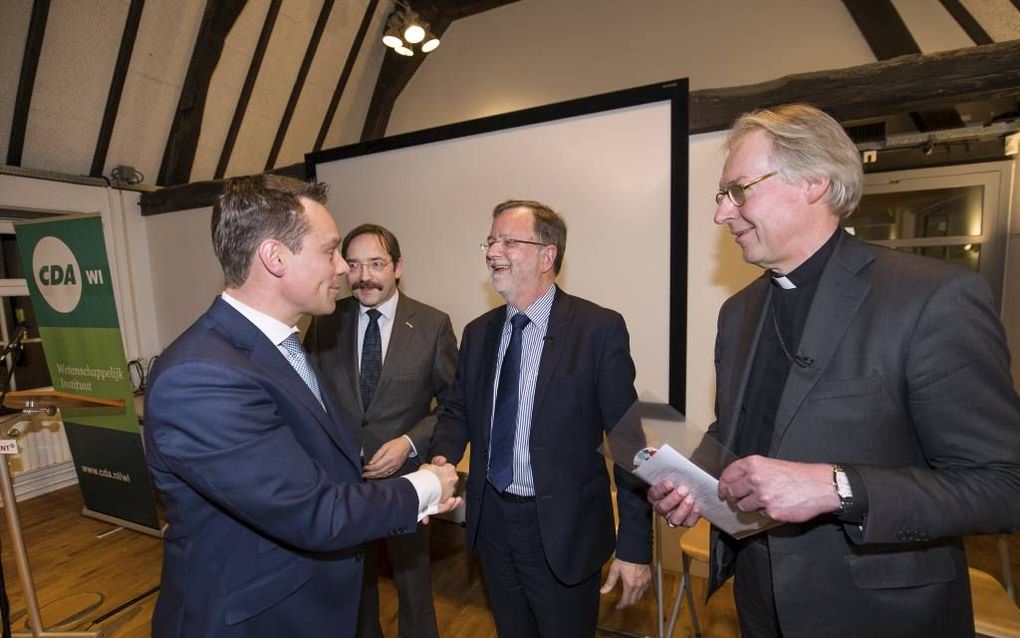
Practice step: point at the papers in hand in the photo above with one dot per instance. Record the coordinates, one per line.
(655, 465)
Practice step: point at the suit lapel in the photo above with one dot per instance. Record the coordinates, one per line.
(401, 335)
(267, 356)
(348, 344)
(490, 347)
(559, 319)
(751, 322)
(841, 291)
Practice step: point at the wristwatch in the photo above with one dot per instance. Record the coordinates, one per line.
(841, 483)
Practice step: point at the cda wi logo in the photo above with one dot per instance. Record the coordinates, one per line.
(58, 276)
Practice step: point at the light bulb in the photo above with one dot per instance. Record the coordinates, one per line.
(392, 41)
(430, 45)
(414, 34)
(403, 50)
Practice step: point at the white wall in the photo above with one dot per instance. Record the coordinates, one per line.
(537, 52)
(185, 271)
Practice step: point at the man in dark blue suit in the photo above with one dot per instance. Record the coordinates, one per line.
(260, 478)
(538, 382)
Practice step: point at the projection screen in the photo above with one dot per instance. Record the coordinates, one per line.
(614, 165)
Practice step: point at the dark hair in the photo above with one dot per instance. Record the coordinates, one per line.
(386, 238)
(254, 208)
(549, 225)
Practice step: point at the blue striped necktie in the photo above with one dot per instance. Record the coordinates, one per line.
(371, 358)
(299, 361)
(504, 417)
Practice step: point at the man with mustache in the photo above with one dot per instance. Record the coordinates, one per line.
(258, 469)
(386, 357)
(538, 382)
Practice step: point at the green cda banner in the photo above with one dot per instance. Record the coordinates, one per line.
(69, 281)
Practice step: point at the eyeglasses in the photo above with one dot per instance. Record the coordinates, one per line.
(738, 192)
(376, 265)
(507, 242)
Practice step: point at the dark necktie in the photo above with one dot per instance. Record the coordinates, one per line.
(299, 361)
(371, 358)
(504, 417)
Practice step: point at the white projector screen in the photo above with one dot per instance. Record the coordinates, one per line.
(614, 166)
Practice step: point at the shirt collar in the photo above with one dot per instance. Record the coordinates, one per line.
(811, 270)
(387, 309)
(274, 329)
(538, 312)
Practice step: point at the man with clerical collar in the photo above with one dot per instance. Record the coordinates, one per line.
(867, 394)
(387, 357)
(539, 380)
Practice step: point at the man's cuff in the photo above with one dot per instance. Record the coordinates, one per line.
(414, 450)
(429, 490)
(858, 511)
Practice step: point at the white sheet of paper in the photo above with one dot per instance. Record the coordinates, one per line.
(667, 463)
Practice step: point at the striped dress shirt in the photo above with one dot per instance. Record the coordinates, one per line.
(532, 342)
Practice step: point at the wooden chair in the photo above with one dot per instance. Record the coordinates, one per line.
(694, 546)
(995, 613)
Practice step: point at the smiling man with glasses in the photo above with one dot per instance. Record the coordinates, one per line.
(539, 380)
(386, 357)
(867, 393)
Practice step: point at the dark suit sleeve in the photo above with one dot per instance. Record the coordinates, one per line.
(616, 396)
(444, 367)
(450, 436)
(966, 415)
(219, 431)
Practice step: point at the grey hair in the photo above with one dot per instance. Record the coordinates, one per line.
(808, 143)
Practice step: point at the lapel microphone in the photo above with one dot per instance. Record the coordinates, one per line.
(548, 339)
(804, 362)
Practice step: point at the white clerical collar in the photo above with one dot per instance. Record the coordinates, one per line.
(783, 282)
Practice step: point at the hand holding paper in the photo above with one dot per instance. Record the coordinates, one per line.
(681, 464)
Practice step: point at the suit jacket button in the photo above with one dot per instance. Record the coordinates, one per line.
(364, 422)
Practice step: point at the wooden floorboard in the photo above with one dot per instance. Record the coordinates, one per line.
(77, 565)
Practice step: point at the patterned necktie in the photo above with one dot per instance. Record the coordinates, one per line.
(371, 358)
(299, 361)
(504, 416)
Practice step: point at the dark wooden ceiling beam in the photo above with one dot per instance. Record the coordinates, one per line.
(870, 90)
(247, 88)
(967, 22)
(299, 82)
(26, 81)
(882, 27)
(120, 69)
(398, 70)
(878, 89)
(218, 19)
(888, 36)
(345, 75)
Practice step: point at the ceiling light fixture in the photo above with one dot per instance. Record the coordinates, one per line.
(405, 29)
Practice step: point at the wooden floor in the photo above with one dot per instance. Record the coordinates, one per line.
(113, 578)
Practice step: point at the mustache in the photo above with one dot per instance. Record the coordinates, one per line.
(362, 285)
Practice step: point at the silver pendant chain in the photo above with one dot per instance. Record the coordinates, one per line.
(775, 324)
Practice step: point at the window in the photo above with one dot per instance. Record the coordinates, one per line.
(955, 213)
(15, 307)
